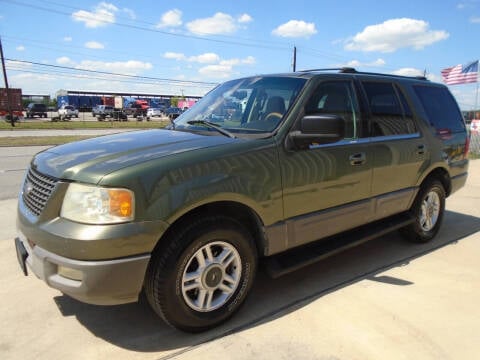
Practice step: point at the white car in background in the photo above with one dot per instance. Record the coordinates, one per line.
(68, 111)
(151, 112)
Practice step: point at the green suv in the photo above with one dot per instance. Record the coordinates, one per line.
(285, 169)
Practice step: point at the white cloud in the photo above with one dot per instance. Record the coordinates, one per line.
(102, 15)
(230, 62)
(64, 60)
(20, 48)
(245, 18)
(475, 19)
(174, 56)
(131, 14)
(172, 18)
(33, 83)
(207, 58)
(469, 4)
(94, 45)
(249, 60)
(17, 65)
(417, 72)
(408, 72)
(356, 63)
(394, 34)
(434, 77)
(217, 68)
(131, 67)
(67, 39)
(295, 29)
(225, 68)
(217, 71)
(220, 23)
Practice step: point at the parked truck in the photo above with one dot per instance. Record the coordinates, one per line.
(137, 109)
(11, 102)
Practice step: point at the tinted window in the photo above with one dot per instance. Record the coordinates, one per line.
(441, 108)
(337, 98)
(389, 115)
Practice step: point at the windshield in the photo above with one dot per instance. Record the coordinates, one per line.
(250, 105)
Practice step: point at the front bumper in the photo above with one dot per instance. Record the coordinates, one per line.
(107, 282)
(108, 261)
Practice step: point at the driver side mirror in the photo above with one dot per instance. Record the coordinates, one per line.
(317, 129)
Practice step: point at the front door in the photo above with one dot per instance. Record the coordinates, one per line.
(327, 187)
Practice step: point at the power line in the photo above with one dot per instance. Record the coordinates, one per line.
(181, 82)
(92, 77)
(155, 30)
(269, 42)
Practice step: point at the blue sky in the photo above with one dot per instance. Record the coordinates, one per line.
(186, 47)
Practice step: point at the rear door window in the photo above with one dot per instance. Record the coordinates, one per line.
(441, 109)
(390, 114)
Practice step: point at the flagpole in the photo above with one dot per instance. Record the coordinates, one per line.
(476, 100)
(476, 111)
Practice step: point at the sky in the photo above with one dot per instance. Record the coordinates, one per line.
(185, 48)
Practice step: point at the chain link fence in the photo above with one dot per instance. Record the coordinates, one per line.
(475, 143)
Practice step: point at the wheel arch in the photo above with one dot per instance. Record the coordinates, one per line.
(442, 175)
(237, 211)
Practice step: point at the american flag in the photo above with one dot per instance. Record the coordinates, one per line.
(461, 74)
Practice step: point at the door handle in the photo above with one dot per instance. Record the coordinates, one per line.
(421, 149)
(358, 159)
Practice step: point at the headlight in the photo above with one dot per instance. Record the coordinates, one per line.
(96, 205)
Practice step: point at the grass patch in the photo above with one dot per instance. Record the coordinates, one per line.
(69, 125)
(15, 138)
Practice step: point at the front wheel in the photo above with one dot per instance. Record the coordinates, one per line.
(428, 210)
(202, 275)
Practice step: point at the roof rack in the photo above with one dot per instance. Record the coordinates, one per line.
(340, 69)
(351, 70)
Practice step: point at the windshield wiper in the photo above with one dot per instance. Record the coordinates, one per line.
(212, 126)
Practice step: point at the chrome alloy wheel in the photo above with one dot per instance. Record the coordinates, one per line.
(211, 276)
(430, 211)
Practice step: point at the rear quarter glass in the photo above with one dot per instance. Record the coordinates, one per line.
(441, 109)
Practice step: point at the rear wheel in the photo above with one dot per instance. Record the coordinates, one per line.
(202, 275)
(428, 210)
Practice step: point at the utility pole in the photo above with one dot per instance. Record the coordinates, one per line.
(294, 64)
(9, 107)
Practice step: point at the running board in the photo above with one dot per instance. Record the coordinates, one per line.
(291, 260)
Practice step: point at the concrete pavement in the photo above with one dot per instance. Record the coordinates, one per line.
(387, 299)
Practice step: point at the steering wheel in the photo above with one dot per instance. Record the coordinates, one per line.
(273, 115)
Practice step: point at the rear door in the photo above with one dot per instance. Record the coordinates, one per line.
(397, 146)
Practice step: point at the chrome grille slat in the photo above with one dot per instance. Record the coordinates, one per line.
(37, 189)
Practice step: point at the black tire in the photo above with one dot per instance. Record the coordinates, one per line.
(428, 210)
(179, 301)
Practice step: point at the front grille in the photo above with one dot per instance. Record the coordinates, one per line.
(37, 190)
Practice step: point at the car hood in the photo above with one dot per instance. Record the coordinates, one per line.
(90, 160)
